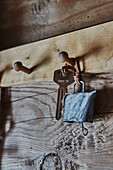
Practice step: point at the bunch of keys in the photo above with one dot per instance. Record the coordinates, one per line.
(63, 80)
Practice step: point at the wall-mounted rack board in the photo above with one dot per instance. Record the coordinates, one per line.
(93, 46)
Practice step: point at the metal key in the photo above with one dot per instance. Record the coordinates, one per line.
(63, 82)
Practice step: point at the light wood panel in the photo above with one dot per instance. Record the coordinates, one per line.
(35, 140)
(92, 46)
(26, 21)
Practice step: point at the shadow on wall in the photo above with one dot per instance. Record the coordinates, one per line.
(19, 23)
(95, 50)
(5, 118)
(44, 61)
(103, 84)
(11, 35)
(12, 30)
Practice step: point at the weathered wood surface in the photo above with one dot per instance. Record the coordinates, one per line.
(35, 140)
(93, 47)
(26, 21)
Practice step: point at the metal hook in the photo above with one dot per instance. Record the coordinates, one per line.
(84, 130)
(73, 64)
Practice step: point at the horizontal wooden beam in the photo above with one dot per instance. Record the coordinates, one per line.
(93, 47)
(32, 20)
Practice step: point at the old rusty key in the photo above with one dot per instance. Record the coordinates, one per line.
(63, 81)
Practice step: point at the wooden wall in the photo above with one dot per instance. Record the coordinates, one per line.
(34, 140)
(30, 136)
(25, 21)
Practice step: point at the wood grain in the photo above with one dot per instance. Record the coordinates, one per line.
(37, 141)
(27, 21)
(92, 46)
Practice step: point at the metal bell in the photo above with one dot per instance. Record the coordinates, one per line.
(79, 107)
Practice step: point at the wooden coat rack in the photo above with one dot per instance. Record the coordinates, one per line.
(93, 47)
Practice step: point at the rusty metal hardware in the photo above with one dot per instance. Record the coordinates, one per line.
(84, 130)
(73, 64)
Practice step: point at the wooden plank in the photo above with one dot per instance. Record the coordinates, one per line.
(27, 21)
(92, 45)
(37, 141)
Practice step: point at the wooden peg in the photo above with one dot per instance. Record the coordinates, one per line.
(19, 67)
(63, 57)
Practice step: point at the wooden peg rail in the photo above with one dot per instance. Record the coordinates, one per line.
(93, 47)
